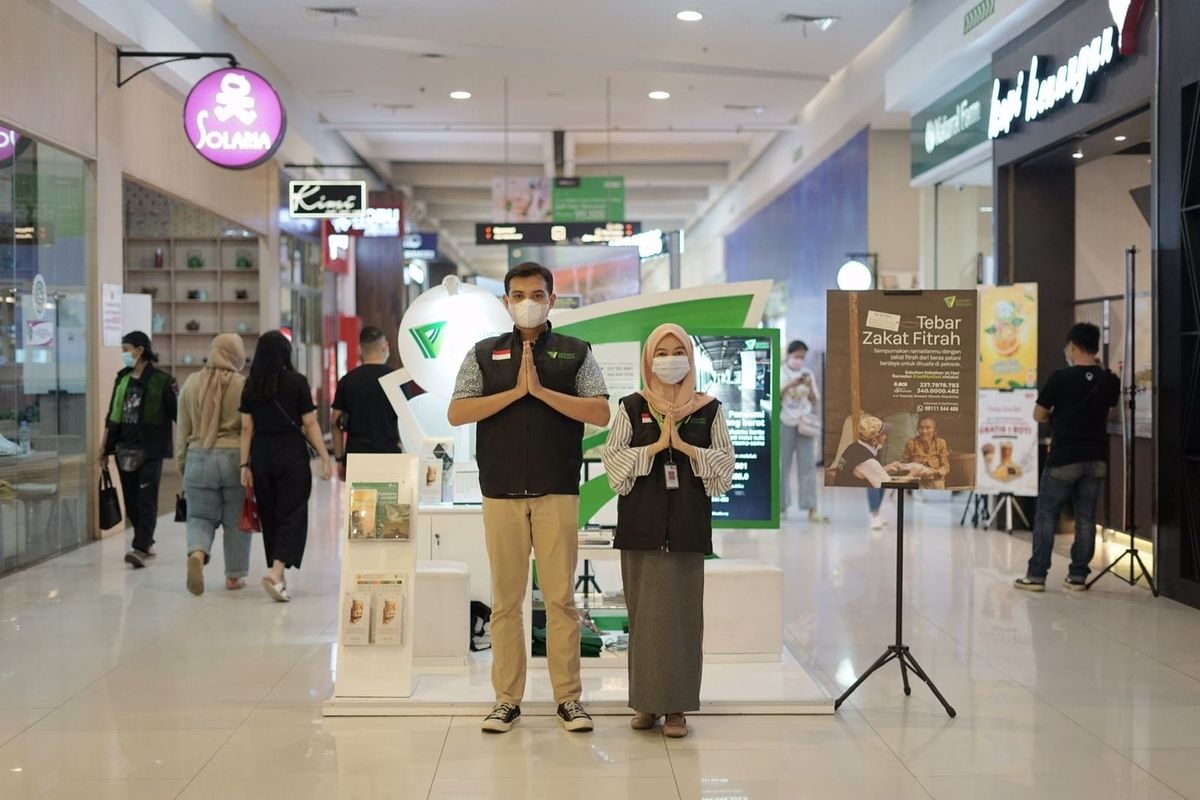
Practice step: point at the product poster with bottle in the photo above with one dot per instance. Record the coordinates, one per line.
(1008, 336)
(901, 388)
(1008, 443)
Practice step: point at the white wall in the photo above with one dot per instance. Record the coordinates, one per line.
(893, 215)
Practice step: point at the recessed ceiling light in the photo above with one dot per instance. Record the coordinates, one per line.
(1120, 138)
(658, 94)
(689, 16)
(1077, 154)
(985, 209)
(460, 95)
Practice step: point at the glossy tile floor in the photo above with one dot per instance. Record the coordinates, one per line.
(115, 684)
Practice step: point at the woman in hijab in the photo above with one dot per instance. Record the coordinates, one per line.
(208, 437)
(668, 455)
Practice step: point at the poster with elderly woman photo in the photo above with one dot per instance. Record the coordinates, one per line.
(901, 389)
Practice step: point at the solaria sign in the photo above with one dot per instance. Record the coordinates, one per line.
(1042, 88)
(234, 118)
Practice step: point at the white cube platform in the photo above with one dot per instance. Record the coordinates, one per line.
(779, 687)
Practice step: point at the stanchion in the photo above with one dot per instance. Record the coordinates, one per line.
(899, 651)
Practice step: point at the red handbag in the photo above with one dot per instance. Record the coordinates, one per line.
(250, 523)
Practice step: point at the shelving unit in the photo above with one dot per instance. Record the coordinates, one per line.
(196, 279)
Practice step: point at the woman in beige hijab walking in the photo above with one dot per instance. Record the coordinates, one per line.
(207, 448)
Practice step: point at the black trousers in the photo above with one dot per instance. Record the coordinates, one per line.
(140, 490)
(282, 486)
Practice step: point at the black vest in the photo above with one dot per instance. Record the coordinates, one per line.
(529, 449)
(852, 456)
(652, 516)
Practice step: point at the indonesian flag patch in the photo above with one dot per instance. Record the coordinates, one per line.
(646, 418)
(501, 355)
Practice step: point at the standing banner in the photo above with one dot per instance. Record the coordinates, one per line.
(1008, 336)
(1008, 443)
(900, 395)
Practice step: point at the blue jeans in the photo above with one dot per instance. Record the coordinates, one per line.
(214, 495)
(1080, 483)
(801, 449)
(874, 499)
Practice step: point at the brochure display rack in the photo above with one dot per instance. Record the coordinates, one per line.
(377, 612)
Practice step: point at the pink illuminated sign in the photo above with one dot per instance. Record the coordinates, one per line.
(9, 139)
(234, 118)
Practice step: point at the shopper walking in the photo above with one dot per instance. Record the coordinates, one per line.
(208, 438)
(531, 391)
(138, 432)
(279, 423)
(799, 430)
(1076, 402)
(361, 416)
(668, 454)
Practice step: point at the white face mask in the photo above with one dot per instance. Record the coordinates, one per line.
(529, 313)
(671, 369)
(796, 363)
(1067, 356)
(127, 359)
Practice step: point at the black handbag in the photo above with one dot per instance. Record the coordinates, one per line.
(110, 504)
(181, 507)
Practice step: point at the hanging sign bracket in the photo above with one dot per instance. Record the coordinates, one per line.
(168, 58)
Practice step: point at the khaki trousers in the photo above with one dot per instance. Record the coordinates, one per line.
(550, 526)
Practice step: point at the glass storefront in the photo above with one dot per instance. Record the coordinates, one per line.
(45, 257)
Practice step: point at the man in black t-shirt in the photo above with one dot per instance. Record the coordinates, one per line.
(1075, 401)
(362, 416)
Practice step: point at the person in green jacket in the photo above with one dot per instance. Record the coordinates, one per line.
(138, 433)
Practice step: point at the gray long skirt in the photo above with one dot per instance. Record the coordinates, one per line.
(664, 593)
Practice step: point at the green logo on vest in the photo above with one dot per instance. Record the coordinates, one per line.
(429, 338)
(557, 354)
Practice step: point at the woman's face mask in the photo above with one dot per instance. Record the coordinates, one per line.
(796, 362)
(671, 369)
(128, 359)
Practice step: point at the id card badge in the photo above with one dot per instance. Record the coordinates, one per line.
(672, 474)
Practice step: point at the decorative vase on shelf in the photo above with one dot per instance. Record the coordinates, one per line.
(151, 290)
(193, 326)
(244, 260)
(193, 294)
(195, 260)
(157, 323)
(243, 327)
(241, 294)
(158, 258)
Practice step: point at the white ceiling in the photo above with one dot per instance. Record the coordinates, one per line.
(383, 81)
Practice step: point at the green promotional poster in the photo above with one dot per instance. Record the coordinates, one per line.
(594, 199)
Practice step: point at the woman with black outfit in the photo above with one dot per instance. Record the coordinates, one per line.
(138, 432)
(279, 422)
(668, 454)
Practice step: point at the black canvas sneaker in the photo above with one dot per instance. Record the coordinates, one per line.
(1074, 584)
(502, 718)
(1030, 585)
(572, 717)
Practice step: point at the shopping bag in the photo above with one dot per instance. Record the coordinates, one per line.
(250, 522)
(181, 507)
(110, 504)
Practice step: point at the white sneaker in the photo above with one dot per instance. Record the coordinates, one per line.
(876, 522)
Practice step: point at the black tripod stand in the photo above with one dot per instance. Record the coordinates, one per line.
(899, 651)
(1129, 431)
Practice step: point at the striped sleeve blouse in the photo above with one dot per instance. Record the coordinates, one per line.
(624, 464)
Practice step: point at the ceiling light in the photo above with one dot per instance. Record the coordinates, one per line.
(460, 95)
(821, 23)
(985, 209)
(658, 94)
(1078, 154)
(689, 16)
(1120, 138)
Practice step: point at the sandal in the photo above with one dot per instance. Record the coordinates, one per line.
(278, 591)
(233, 584)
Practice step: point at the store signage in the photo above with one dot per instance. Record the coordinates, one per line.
(375, 223)
(955, 123)
(1041, 89)
(327, 199)
(548, 233)
(234, 118)
(421, 245)
(8, 144)
(977, 15)
(588, 199)
(335, 249)
(38, 293)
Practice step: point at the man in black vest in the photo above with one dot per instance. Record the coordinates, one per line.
(531, 391)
